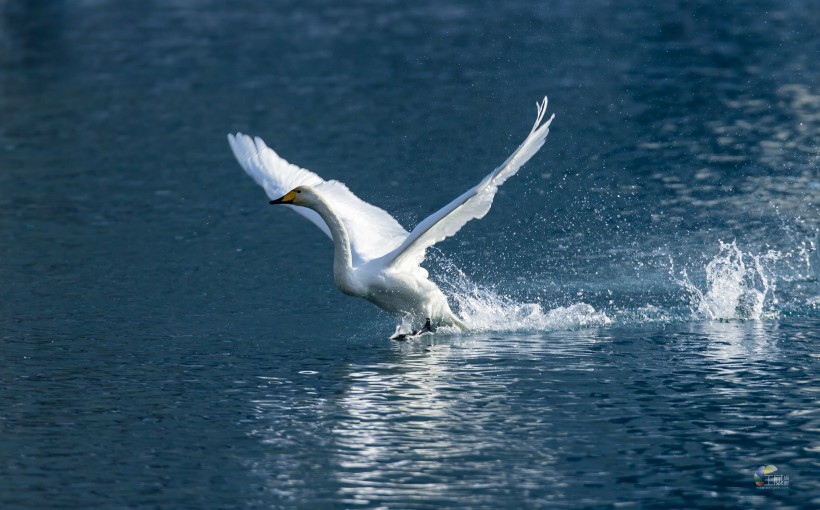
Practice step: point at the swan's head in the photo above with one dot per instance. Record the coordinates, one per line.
(300, 195)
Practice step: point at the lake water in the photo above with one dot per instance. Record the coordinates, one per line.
(644, 293)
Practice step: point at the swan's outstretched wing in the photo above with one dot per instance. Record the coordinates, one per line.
(273, 173)
(372, 231)
(471, 205)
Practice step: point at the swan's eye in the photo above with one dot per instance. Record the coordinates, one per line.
(298, 191)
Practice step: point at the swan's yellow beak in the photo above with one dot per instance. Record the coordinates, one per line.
(288, 198)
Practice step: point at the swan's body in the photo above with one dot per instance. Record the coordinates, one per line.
(375, 258)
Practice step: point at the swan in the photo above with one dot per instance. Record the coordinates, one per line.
(375, 258)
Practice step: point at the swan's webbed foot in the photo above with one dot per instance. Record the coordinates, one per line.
(427, 328)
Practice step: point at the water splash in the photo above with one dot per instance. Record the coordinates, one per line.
(484, 309)
(738, 285)
(734, 284)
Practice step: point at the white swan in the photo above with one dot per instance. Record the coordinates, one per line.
(375, 258)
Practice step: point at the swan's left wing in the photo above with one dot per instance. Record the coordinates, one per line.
(473, 204)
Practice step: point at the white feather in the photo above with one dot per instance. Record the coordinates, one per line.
(373, 232)
(473, 204)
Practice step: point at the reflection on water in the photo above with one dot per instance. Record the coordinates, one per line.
(429, 424)
(424, 425)
(545, 419)
(733, 343)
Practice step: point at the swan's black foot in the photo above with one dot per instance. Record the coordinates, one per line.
(427, 328)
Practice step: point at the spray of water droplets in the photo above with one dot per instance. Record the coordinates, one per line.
(484, 309)
(738, 285)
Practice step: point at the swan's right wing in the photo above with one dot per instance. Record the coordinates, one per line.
(372, 231)
(473, 204)
(274, 174)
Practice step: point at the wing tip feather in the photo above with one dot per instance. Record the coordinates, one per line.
(542, 110)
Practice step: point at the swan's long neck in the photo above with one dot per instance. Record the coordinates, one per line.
(342, 256)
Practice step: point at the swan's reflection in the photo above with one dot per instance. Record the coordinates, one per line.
(396, 427)
(433, 420)
(439, 414)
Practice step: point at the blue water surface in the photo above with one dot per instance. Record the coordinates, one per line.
(643, 294)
